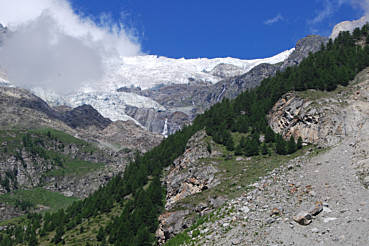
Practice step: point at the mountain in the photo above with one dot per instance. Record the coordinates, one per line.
(150, 72)
(59, 152)
(194, 97)
(237, 175)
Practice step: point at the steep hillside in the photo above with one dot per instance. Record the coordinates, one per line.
(39, 161)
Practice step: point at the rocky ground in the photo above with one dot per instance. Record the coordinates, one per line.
(328, 183)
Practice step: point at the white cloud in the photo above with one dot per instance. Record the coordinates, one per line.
(362, 4)
(327, 11)
(273, 20)
(50, 46)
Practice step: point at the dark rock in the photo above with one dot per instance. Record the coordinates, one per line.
(84, 116)
(309, 44)
(303, 218)
(316, 209)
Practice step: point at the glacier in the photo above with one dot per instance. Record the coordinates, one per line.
(146, 71)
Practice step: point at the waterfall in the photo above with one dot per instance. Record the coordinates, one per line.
(165, 129)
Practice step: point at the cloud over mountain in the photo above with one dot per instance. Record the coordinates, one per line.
(51, 46)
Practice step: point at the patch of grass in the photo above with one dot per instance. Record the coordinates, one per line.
(179, 239)
(75, 168)
(38, 196)
(237, 176)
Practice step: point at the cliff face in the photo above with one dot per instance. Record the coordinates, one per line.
(323, 118)
(348, 26)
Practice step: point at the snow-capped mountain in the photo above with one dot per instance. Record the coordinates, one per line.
(148, 71)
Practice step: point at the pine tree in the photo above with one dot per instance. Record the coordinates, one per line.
(59, 234)
(291, 145)
(264, 149)
(280, 145)
(299, 143)
(238, 150)
(269, 135)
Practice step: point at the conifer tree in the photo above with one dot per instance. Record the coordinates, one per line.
(299, 143)
(291, 145)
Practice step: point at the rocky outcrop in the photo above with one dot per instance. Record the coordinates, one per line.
(348, 26)
(309, 44)
(163, 122)
(188, 175)
(224, 70)
(320, 117)
(85, 116)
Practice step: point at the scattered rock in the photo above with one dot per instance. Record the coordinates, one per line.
(303, 218)
(275, 212)
(236, 241)
(316, 209)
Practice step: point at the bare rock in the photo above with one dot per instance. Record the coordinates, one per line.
(316, 209)
(303, 218)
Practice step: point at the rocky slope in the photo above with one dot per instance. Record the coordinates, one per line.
(23, 109)
(317, 197)
(60, 161)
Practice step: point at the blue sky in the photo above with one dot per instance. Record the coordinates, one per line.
(212, 28)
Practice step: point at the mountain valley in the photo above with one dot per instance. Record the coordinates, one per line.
(194, 152)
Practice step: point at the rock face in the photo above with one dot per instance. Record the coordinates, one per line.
(232, 87)
(163, 122)
(123, 136)
(224, 70)
(348, 26)
(85, 116)
(303, 47)
(324, 119)
(188, 176)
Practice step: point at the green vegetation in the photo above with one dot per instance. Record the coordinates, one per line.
(336, 64)
(35, 197)
(44, 147)
(75, 167)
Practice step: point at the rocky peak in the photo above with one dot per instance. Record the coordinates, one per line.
(84, 116)
(224, 70)
(348, 26)
(304, 46)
